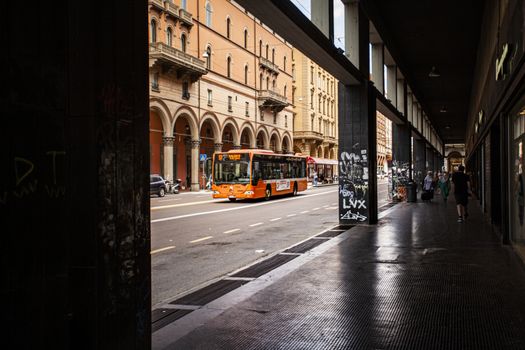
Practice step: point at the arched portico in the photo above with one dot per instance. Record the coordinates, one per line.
(247, 139)
(263, 139)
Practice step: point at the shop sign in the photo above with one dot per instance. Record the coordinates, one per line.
(501, 62)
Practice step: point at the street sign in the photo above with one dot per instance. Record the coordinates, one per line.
(203, 157)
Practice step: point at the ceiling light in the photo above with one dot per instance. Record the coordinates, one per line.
(447, 127)
(434, 73)
(443, 110)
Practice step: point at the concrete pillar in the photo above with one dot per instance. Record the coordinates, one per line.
(391, 88)
(352, 32)
(195, 147)
(167, 143)
(401, 156)
(400, 96)
(419, 161)
(409, 108)
(357, 154)
(322, 14)
(378, 74)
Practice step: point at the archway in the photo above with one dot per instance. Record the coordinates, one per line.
(287, 146)
(182, 150)
(247, 138)
(262, 139)
(227, 138)
(155, 142)
(274, 143)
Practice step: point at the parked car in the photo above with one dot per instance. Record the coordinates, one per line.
(157, 185)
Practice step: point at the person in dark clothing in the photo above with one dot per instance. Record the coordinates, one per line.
(461, 188)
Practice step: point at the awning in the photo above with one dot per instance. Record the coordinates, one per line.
(313, 160)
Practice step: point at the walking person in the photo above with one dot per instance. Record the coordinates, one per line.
(461, 187)
(428, 187)
(443, 184)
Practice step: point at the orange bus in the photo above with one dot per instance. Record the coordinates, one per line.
(255, 173)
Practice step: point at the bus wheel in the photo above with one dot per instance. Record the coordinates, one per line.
(295, 189)
(232, 199)
(268, 193)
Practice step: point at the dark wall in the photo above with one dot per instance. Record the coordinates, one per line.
(74, 193)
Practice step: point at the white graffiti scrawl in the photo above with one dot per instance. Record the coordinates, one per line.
(353, 185)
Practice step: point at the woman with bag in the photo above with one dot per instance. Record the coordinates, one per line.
(444, 185)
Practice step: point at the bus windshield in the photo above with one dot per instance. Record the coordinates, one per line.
(231, 168)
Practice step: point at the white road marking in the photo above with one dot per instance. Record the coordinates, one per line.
(257, 224)
(305, 211)
(315, 209)
(182, 204)
(289, 215)
(324, 206)
(231, 231)
(330, 208)
(333, 204)
(162, 249)
(169, 200)
(201, 239)
(275, 219)
(259, 251)
(239, 208)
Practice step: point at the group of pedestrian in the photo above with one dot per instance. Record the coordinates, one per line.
(459, 183)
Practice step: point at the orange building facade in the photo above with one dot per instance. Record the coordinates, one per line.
(219, 80)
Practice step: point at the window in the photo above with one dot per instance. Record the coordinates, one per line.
(183, 42)
(155, 82)
(285, 121)
(267, 48)
(261, 81)
(284, 63)
(311, 75)
(246, 38)
(228, 66)
(208, 14)
(267, 83)
(208, 59)
(228, 24)
(273, 85)
(260, 48)
(273, 55)
(320, 103)
(284, 91)
(153, 29)
(169, 36)
(185, 91)
(247, 112)
(293, 72)
(246, 75)
(311, 99)
(230, 108)
(210, 98)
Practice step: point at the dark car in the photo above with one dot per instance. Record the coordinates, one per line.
(157, 185)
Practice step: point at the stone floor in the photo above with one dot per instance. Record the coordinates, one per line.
(417, 280)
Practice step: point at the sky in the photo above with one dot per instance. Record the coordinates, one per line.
(339, 26)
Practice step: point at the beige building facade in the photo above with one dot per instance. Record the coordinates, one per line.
(220, 80)
(314, 99)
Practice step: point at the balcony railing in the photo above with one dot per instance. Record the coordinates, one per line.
(157, 3)
(186, 17)
(272, 99)
(181, 62)
(172, 9)
(308, 135)
(266, 63)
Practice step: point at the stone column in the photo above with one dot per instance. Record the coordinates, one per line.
(167, 142)
(195, 147)
(236, 147)
(358, 154)
(410, 114)
(401, 155)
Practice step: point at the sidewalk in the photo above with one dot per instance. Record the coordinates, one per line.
(416, 280)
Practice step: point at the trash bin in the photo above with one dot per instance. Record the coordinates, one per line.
(411, 192)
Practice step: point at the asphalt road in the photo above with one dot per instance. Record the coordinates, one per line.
(196, 239)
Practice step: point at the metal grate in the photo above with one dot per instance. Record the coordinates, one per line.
(209, 293)
(305, 246)
(265, 266)
(162, 317)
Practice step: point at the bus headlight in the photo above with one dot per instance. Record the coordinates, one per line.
(248, 192)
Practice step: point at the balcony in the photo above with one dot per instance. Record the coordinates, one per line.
(186, 17)
(171, 59)
(330, 140)
(308, 135)
(267, 64)
(172, 9)
(159, 4)
(272, 99)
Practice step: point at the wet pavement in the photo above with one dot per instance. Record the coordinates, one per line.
(417, 280)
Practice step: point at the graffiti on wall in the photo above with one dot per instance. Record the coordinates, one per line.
(353, 185)
(399, 179)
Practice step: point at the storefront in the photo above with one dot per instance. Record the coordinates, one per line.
(326, 169)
